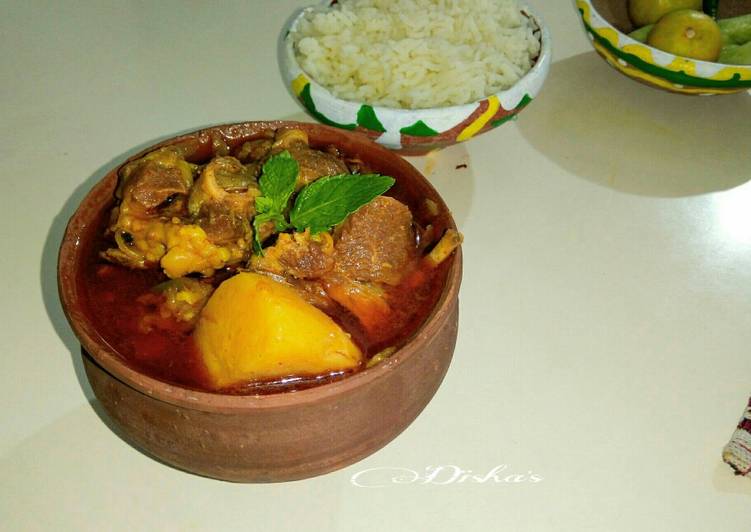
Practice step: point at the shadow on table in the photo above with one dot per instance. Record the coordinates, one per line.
(613, 131)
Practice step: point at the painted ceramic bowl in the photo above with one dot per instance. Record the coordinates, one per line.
(607, 24)
(265, 438)
(418, 131)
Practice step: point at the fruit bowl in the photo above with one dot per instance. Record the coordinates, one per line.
(607, 25)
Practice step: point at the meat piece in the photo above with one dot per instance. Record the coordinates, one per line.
(223, 200)
(152, 187)
(223, 226)
(254, 150)
(376, 243)
(366, 301)
(313, 164)
(154, 183)
(152, 190)
(297, 255)
(225, 180)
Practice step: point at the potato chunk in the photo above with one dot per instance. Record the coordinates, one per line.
(256, 328)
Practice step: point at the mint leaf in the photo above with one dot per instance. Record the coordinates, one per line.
(277, 183)
(264, 204)
(329, 200)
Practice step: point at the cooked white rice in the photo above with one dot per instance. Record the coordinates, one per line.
(416, 53)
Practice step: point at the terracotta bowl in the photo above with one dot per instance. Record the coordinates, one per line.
(266, 438)
(415, 131)
(607, 24)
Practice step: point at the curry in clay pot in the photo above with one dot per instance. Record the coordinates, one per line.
(262, 301)
(271, 266)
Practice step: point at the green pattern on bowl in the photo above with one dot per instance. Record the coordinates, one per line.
(419, 129)
(366, 117)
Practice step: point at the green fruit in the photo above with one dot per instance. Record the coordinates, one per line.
(643, 12)
(687, 33)
(736, 30)
(736, 54)
(642, 33)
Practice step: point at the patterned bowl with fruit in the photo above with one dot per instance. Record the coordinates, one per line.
(415, 131)
(615, 37)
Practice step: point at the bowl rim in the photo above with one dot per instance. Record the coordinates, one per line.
(631, 41)
(105, 355)
(540, 67)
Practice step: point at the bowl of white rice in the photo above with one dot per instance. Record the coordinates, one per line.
(415, 75)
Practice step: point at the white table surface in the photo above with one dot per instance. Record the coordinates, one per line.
(605, 310)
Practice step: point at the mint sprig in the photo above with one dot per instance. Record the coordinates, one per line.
(319, 206)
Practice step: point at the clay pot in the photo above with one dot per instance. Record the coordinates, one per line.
(277, 437)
